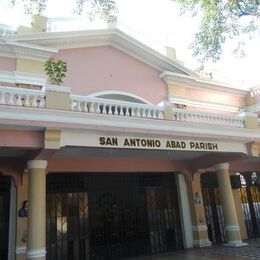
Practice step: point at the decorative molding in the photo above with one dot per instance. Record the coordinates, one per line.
(113, 37)
(194, 81)
(199, 228)
(235, 243)
(221, 166)
(203, 104)
(37, 164)
(55, 88)
(13, 49)
(20, 250)
(201, 243)
(232, 228)
(119, 93)
(35, 253)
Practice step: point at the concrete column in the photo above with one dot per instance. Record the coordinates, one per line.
(199, 224)
(228, 205)
(36, 248)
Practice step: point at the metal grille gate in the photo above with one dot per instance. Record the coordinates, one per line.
(110, 216)
(213, 208)
(250, 199)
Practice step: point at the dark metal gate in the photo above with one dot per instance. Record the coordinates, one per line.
(213, 208)
(250, 199)
(5, 186)
(110, 216)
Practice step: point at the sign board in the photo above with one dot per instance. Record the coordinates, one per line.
(91, 139)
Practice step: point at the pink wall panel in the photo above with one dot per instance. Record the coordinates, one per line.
(105, 68)
(214, 97)
(20, 139)
(112, 165)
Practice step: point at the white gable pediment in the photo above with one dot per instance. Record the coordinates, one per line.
(112, 37)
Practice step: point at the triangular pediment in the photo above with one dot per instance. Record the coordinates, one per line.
(112, 37)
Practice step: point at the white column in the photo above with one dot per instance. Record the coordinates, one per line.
(185, 212)
(36, 248)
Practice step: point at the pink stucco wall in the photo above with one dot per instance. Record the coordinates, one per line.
(112, 165)
(105, 68)
(8, 64)
(21, 139)
(215, 96)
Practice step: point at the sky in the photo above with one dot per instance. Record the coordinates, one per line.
(158, 24)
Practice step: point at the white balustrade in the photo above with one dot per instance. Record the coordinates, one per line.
(114, 107)
(207, 118)
(21, 97)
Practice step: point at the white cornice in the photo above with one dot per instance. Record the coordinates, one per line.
(75, 120)
(113, 37)
(13, 49)
(193, 81)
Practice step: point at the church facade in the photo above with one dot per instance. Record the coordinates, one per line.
(134, 154)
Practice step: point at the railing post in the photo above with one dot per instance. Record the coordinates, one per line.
(250, 120)
(168, 112)
(58, 97)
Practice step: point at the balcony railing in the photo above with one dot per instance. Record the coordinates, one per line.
(29, 90)
(182, 115)
(113, 107)
(21, 97)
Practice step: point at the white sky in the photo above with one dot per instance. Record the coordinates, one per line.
(157, 21)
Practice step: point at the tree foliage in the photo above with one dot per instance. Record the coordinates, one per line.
(104, 9)
(221, 20)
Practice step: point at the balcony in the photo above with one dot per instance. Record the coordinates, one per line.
(25, 90)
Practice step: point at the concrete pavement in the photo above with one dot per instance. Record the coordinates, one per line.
(252, 251)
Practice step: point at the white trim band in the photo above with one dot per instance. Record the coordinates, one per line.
(232, 228)
(35, 253)
(20, 250)
(37, 164)
(200, 228)
(221, 166)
